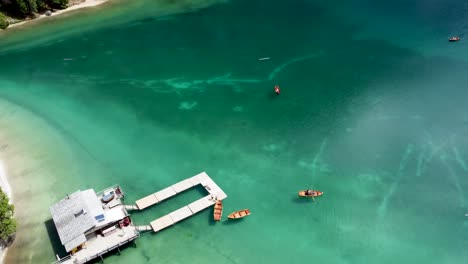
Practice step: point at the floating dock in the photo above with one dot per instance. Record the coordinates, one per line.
(214, 193)
(103, 236)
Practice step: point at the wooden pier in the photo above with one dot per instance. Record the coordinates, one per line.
(131, 207)
(214, 193)
(143, 228)
(108, 225)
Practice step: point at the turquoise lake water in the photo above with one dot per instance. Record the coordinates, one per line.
(372, 112)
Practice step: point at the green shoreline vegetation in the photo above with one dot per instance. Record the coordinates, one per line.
(7, 222)
(13, 11)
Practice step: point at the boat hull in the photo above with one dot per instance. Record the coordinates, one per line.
(218, 210)
(277, 89)
(239, 214)
(108, 197)
(314, 193)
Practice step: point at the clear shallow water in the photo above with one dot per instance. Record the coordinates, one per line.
(378, 126)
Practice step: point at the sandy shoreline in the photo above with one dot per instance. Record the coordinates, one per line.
(30, 164)
(85, 4)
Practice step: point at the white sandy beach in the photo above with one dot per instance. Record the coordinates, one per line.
(32, 154)
(85, 4)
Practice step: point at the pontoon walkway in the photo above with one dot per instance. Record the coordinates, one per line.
(215, 193)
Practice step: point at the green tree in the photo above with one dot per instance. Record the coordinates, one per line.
(3, 21)
(20, 7)
(32, 6)
(41, 5)
(58, 3)
(29, 8)
(7, 222)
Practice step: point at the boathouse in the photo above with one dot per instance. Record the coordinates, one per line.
(91, 224)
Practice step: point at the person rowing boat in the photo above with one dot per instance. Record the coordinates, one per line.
(277, 89)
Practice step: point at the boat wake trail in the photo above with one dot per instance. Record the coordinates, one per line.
(458, 156)
(426, 156)
(317, 156)
(455, 180)
(291, 61)
(182, 84)
(421, 163)
(404, 160)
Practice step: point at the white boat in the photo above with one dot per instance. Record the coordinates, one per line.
(266, 58)
(107, 197)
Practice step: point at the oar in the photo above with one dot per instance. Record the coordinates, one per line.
(313, 199)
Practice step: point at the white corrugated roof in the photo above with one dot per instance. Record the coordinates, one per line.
(74, 215)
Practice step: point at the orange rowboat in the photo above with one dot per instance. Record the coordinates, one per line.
(310, 193)
(239, 214)
(218, 210)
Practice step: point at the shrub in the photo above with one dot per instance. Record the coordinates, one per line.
(3, 21)
(7, 222)
(21, 7)
(41, 5)
(60, 4)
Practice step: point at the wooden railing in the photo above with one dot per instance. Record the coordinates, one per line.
(113, 187)
(89, 258)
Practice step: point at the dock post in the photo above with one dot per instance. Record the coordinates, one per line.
(102, 259)
(134, 243)
(118, 249)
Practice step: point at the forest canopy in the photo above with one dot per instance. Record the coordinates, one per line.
(29, 8)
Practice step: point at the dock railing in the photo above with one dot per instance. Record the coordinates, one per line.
(109, 249)
(113, 187)
(62, 259)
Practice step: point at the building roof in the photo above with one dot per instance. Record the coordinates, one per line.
(75, 215)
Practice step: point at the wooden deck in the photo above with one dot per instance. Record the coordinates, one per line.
(214, 193)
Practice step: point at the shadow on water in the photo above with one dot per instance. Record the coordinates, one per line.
(211, 221)
(302, 200)
(54, 238)
(272, 95)
(120, 250)
(233, 222)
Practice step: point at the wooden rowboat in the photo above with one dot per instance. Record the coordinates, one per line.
(239, 214)
(312, 193)
(218, 210)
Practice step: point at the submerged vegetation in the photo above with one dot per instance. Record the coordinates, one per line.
(22, 9)
(7, 222)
